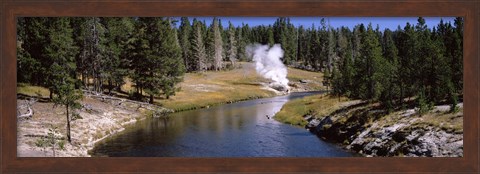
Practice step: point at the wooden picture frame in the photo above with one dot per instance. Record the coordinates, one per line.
(10, 9)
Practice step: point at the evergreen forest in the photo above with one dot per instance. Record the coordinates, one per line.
(68, 54)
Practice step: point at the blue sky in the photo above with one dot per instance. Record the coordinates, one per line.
(383, 22)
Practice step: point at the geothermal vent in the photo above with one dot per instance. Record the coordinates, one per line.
(268, 65)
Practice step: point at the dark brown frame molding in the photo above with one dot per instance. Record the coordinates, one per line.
(10, 9)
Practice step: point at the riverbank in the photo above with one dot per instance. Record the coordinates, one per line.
(98, 120)
(200, 90)
(369, 130)
(101, 117)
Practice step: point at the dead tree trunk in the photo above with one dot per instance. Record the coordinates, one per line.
(68, 126)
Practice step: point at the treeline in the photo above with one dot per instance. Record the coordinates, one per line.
(362, 62)
(416, 62)
(99, 53)
(216, 47)
(391, 66)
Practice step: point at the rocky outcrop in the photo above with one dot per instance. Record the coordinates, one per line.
(429, 143)
(376, 138)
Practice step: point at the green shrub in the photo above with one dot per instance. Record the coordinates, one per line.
(423, 105)
(61, 145)
(41, 142)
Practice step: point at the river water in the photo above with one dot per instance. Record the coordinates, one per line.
(233, 130)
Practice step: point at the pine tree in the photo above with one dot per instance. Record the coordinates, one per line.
(457, 55)
(336, 82)
(452, 97)
(185, 32)
(68, 96)
(343, 69)
(232, 45)
(454, 49)
(172, 65)
(357, 40)
(450, 43)
(371, 66)
(422, 102)
(241, 44)
(209, 45)
(315, 52)
(331, 54)
(342, 42)
(98, 54)
(432, 71)
(198, 47)
(270, 38)
(407, 46)
(90, 36)
(303, 45)
(323, 52)
(360, 64)
(280, 34)
(27, 66)
(217, 46)
(32, 57)
(391, 92)
(422, 58)
(291, 47)
(439, 70)
(224, 36)
(246, 33)
(137, 49)
(162, 68)
(79, 35)
(61, 74)
(348, 73)
(115, 42)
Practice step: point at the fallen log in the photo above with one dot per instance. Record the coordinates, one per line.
(104, 97)
(28, 115)
(28, 104)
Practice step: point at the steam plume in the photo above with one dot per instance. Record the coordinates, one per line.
(268, 63)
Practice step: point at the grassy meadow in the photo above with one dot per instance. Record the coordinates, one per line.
(205, 89)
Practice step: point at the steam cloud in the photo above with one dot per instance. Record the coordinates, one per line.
(268, 63)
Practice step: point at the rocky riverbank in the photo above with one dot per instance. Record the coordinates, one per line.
(364, 128)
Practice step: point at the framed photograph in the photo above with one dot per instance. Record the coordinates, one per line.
(239, 86)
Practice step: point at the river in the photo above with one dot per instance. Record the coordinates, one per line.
(239, 129)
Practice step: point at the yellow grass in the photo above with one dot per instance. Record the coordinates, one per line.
(30, 90)
(317, 105)
(444, 120)
(297, 74)
(323, 105)
(449, 122)
(206, 89)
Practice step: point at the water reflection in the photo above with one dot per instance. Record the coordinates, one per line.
(234, 130)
